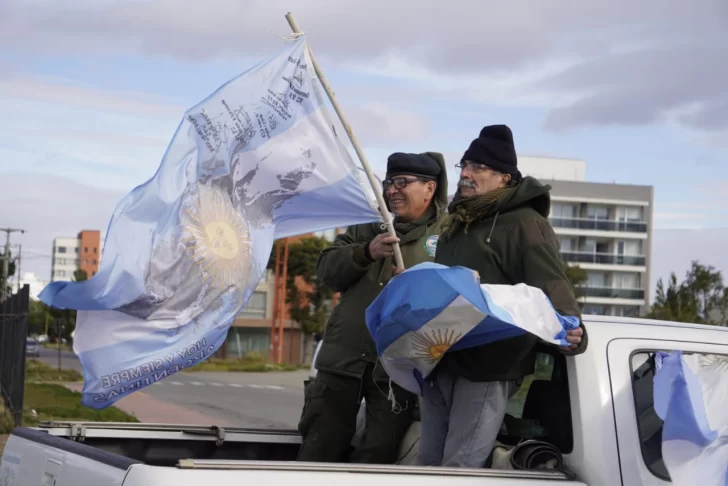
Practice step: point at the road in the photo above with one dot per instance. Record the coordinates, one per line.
(68, 359)
(264, 400)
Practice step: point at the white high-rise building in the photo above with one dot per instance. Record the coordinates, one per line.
(80, 253)
(606, 229)
(65, 259)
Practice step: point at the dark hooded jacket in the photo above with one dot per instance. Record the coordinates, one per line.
(348, 348)
(510, 243)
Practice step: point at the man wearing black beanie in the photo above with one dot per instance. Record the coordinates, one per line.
(498, 226)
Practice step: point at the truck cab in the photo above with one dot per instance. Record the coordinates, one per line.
(596, 408)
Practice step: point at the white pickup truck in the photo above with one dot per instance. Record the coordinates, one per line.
(596, 408)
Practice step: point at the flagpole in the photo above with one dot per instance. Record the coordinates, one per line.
(359, 152)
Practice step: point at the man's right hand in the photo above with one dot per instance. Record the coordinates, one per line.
(381, 246)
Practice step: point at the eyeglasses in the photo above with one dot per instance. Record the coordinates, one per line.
(401, 182)
(474, 166)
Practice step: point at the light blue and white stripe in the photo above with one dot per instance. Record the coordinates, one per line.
(691, 395)
(255, 161)
(431, 309)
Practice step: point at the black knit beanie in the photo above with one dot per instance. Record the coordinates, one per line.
(494, 148)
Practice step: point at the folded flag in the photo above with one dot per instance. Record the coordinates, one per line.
(690, 395)
(431, 309)
(255, 161)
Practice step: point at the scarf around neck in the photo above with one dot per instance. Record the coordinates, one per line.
(403, 228)
(465, 210)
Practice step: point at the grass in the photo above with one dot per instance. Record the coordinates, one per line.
(250, 363)
(35, 371)
(46, 401)
(56, 402)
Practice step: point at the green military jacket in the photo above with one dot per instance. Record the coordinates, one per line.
(347, 347)
(511, 243)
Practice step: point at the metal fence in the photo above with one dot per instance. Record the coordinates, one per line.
(13, 336)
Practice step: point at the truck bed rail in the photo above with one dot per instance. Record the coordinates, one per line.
(366, 468)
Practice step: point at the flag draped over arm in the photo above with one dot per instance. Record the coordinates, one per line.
(255, 161)
(690, 395)
(431, 309)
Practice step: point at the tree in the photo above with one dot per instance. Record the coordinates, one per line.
(721, 312)
(700, 298)
(39, 318)
(11, 271)
(705, 286)
(672, 303)
(80, 276)
(577, 276)
(307, 298)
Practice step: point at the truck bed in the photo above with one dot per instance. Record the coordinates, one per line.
(135, 454)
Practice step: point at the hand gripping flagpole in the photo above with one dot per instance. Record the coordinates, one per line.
(359, 152)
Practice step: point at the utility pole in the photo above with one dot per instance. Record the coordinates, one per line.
(17, 266)
(6, 261)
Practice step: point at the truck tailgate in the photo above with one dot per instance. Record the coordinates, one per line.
(235, 473)
(32, 457)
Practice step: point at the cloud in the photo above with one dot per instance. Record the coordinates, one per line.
(674, 250)
(376, 123)
(654, 84)
(71, 93)
(111, 138)
(590, 63)
(51, 206)
(706, 208)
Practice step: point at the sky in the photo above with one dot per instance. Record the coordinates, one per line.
(91, 93)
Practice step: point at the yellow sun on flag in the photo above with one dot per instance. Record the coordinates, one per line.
(219, 239)
(431, 346)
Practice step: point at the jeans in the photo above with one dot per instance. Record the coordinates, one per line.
(461, 420)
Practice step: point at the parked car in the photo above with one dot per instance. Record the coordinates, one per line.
(32, 348)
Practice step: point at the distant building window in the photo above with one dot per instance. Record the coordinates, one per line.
(633, 214)
(61, 261)
(61, 249)
(61, 273)
(85, 262)
(596, 310)
(95, 250)
(94, 262)
(93, 273)
(596, 279)
(627, 311)
(76, 250)
(563, 211)
(85, 249)
(256, 306)
(597, 212)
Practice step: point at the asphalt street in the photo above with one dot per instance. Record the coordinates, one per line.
(50, 357)
(262, 400)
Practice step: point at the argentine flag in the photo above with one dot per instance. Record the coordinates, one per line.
(255, 161)
(430, 309)
(691, 395)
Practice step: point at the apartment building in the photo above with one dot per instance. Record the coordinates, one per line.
(80, 253)
(606, 229)
(250, 332)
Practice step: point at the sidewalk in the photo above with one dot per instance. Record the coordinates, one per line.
(150, 410)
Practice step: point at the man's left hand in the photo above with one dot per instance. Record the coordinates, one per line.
(574, 338)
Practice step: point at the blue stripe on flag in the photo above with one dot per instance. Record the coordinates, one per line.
(254, 161)
(679, 402)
